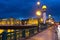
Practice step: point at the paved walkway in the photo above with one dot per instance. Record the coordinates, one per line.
(48, 34)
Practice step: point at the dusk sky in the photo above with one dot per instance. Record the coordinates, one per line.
(27, 8)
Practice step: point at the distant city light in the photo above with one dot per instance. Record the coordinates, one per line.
(49, 16)
(52, 22)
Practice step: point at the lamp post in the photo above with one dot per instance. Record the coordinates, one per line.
(44, 13)
(38, 4)
(38, 13)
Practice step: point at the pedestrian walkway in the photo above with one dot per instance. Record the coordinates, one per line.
(47, 34)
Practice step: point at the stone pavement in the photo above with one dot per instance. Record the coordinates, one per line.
(48, 34)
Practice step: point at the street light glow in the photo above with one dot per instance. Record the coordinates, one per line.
(49, 20)
(52, 22)
(44, 7)
(38, 13)
(49, 16)
(41, 20)
(38, 3)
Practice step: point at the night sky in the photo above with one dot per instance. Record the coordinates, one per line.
(26, 8)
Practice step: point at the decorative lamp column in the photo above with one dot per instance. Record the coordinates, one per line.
(44, 13)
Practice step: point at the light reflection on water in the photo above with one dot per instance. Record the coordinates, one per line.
(8, 30)
(1, 30)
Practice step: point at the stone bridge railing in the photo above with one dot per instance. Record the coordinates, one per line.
(19, 32)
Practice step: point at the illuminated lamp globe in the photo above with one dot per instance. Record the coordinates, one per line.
(38, 3)
(49, 16)
(38, 13)
(44, 7)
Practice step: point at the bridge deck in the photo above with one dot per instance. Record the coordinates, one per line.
(48, 34)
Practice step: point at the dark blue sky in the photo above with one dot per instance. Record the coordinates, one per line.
(27, 8)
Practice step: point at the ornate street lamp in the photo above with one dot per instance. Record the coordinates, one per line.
(44, 13)
(38, 13)
(44, 7)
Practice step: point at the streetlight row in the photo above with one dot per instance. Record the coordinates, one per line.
(39, 12)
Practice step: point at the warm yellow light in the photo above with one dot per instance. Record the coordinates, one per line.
(38, 13)
(17, 22)
(12, 23)
(38, 3)
(12, 30)
(20, 22)
(8, 22)
(52, 22)
(8, 30)
(49, 20)
(3, 23)
(44, 7)
(1, 30)
(41, 20)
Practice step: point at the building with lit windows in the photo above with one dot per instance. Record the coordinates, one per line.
(10, 22)
(34, 21)
(17, 22)
(4, 22)
(50, 21)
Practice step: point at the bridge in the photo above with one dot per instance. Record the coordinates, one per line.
(19, 32)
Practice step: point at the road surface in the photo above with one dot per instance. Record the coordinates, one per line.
(48, 34)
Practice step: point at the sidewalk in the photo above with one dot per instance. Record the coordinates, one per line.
(48, 34)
